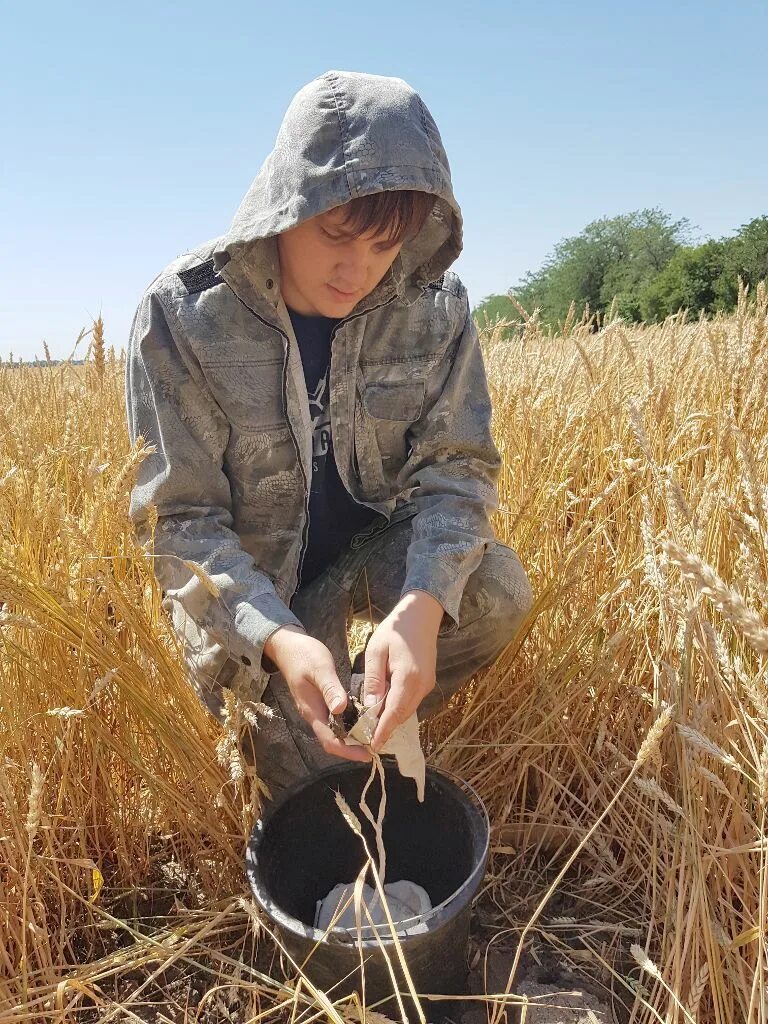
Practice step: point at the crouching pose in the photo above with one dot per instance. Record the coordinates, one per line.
(314, 387)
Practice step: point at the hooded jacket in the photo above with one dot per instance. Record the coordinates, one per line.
(214, 380)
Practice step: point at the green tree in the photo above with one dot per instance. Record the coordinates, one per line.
(691, 280)
(614, 257)
(493, 308)
(746, 257)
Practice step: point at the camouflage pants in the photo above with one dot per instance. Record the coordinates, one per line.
(366, 580)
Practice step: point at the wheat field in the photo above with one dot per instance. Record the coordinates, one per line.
(620, 744)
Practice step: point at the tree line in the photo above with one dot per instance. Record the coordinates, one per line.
(642, 265)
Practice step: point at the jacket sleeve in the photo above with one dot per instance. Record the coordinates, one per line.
(452, 473)
(169, 404)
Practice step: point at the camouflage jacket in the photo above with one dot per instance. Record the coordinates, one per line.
(214, 381)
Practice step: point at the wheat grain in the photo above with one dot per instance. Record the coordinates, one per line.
(34, 810)
(349, 816)
(9, 475)
(644, 961)
(638, 429)
(652, 741)
(750, 478)
(697, 989)
(66, 713)
(701, 742)
(652, 572)
(21, 621)
(646, 964)
(97, 347)
(727, 600)
(101, 684)
(762, 777)
(722, 656)
(224, 747)
(710, 777)
(252, 710)
(652, 789)
(235, 763)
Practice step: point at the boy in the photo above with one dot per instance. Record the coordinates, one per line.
(314, 386)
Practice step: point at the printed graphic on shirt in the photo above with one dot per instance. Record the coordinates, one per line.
(320, 414)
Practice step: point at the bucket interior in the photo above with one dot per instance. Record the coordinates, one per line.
(307, 847)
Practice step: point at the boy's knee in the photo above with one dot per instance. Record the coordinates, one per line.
(495, 602)
(507, 570)
(500, 590)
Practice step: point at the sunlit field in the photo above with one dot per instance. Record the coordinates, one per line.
(620, 744)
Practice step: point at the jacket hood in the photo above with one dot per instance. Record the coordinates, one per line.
(345, 135)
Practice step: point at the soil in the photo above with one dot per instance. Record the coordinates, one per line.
(556, 996)
(192, 990)
(180, 993)
(181, 997)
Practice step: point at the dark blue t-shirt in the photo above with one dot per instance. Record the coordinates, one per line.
(334, 516)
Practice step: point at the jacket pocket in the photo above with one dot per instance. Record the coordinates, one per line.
(394, 400)
(366, 457)
(385, 412)
(249, 393)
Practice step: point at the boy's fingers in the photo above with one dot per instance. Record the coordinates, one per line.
(333, 694)
(312, 708)
(375, 682)
(333, 745)
(349, 751)
(394, 714)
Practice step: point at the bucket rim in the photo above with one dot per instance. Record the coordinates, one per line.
(436, 916)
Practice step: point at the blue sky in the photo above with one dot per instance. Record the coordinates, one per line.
(129, 132)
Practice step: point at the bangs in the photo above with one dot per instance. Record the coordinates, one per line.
(399, 215)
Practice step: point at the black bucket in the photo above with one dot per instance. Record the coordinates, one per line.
(303, 847)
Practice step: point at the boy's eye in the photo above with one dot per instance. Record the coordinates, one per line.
(381, 247)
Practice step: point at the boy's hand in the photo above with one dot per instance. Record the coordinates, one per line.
(403, 651)
(308, 669)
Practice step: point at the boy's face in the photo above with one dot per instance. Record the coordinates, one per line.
(319, 262)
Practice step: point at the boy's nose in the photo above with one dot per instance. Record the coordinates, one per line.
(351, 276)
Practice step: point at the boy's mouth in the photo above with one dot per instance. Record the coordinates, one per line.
(342, 295)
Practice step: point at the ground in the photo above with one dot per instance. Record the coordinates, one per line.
(193, 989)
(179, 996)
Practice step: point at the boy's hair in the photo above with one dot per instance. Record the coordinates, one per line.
(400, 214)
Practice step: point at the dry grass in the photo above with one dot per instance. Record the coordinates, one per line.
(621, 746)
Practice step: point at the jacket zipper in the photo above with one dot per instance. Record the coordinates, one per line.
(348, 320)
(305, 530)
(286, 344)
